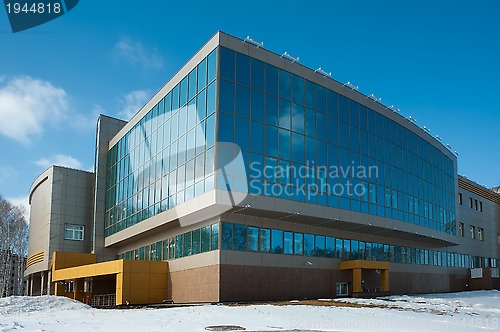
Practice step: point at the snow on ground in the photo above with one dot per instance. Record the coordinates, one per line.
(466, 311)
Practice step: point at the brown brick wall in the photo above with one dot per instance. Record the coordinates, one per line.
(194, 285)
(228, 283)
(486, 282)
(408, 283)
(249, 283)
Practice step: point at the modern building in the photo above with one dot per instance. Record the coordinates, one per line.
(253, 177)
(11, 274)
(61, 202)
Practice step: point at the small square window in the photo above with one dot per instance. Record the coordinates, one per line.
(342, 289)
(74, 232)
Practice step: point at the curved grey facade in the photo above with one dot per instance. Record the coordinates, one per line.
(61, 200)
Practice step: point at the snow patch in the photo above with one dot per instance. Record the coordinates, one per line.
(27, 304)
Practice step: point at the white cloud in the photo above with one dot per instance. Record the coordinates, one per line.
(23, 203)
(27, 105)
(59, 160)
(135, 53)
(132, 103)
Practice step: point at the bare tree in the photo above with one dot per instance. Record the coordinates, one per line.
(13, 247)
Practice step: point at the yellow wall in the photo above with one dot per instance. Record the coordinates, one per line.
(62, 260)
(358, 265)
(137, 282)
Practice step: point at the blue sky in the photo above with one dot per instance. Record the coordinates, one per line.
(437, 61)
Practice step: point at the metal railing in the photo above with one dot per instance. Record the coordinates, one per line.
(104, 300)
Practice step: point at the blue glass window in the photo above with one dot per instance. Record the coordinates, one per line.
(272, 110)
(310, 122)
(192, 84)
(227, 61)
(353, 113)
(363, 124)
(178, 246)
(201, 105)
(343, 109)
(333, 131)
(321, 99)
(310, 94)
(257, 74)
(311, 150)
(277, 241)
(191, 114)
(183, 91)
(288, 243)
(242, 69)
(344, 134)
(265, 240)
(242, 101)
(285, 84)
(253, 238)
(215, 237)
(271, 80)
(321, 124)
(257, 137)
(298, 153)
(347, 249)
(187, 245)
(205, 239)
(175, 98)
(298, 118)
(227, 236)
(226, 99)
(330, 247)
(202, 75)
(285, 114)
(333, 104)
(309, 244)
(211, 98)
(212, 66)
(240, 237)
(242, 133)
(257, 106)
(354, 249)
(284, 144)
(226, 127)
(271, 140)
(210, 131)
(298, 244)
(320, 246)
(297, 89)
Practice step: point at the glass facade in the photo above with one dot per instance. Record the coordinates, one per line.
(303, 142)
(299, 140)
(248, 238)
(167, 158)
(195, 242)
